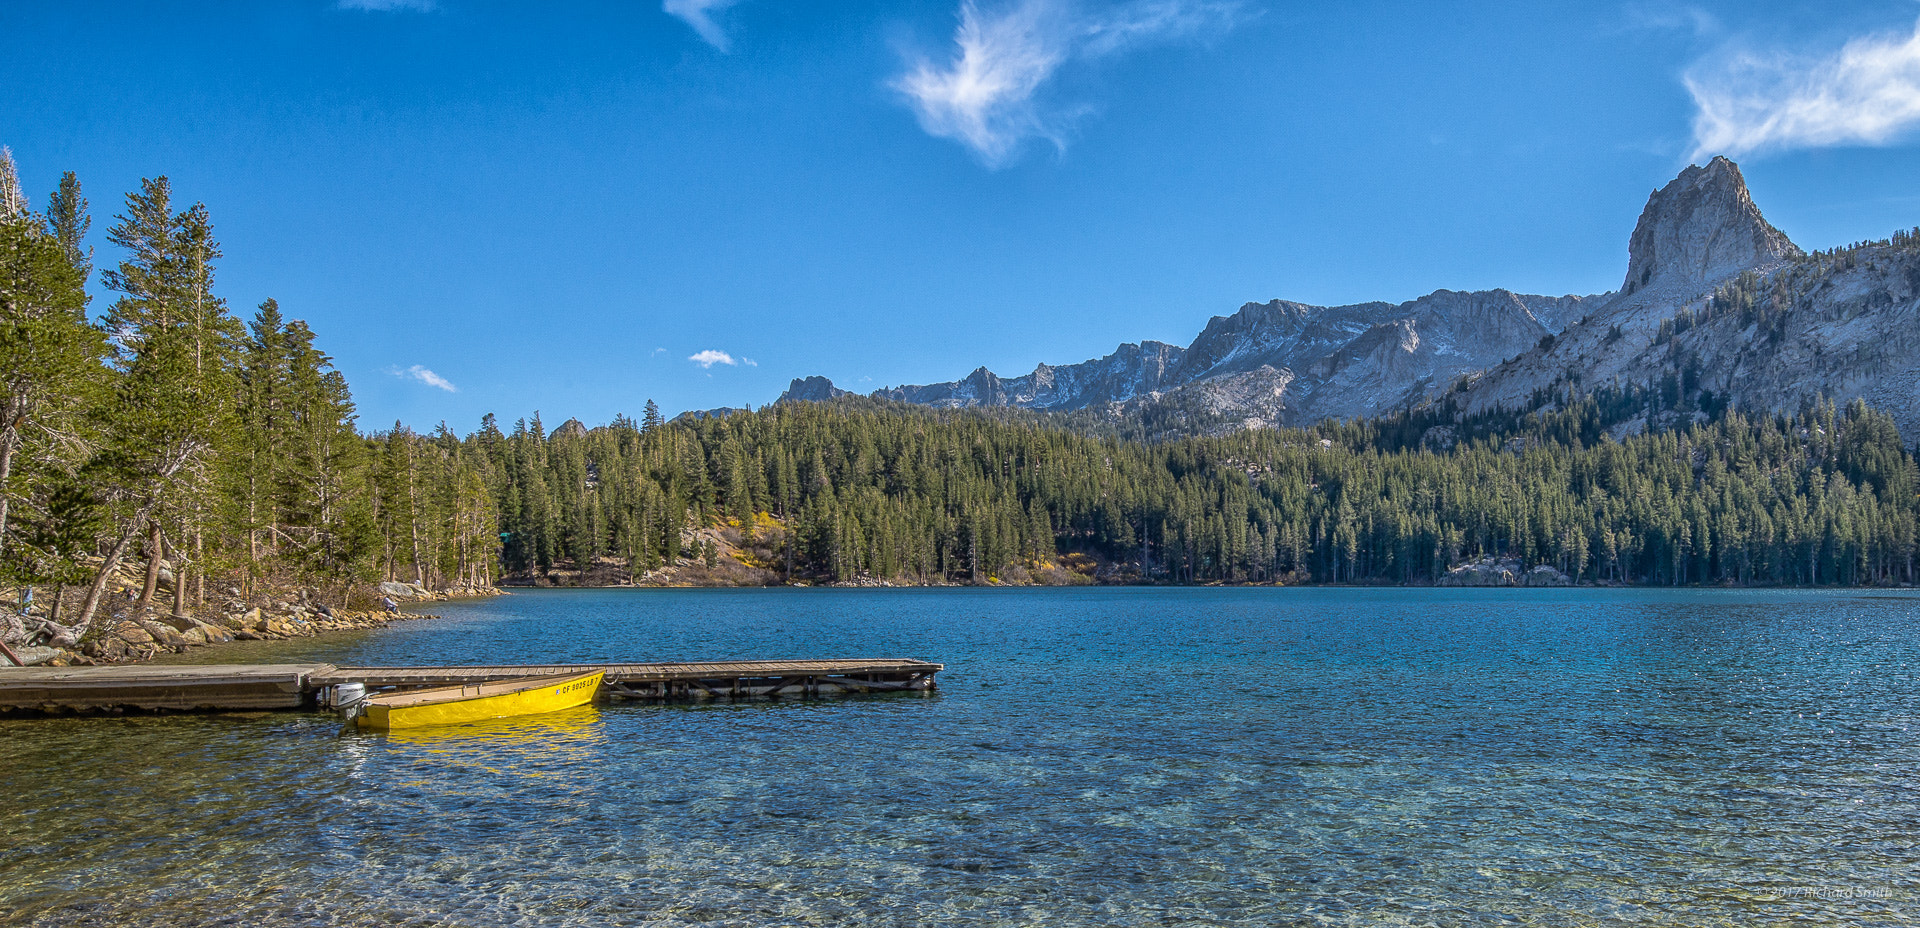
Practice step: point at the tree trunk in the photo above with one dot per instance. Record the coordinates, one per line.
(179, 586)
(91, 604)
(253, 528)
(199, 573)
(6, 471)
(413, 525)
(156, 548)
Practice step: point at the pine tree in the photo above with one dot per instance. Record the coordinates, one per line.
(13, 200)
(50, 361)
(173, 343)
(258, 466)
(68, 222)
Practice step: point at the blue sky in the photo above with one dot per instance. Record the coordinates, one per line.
(573, 207)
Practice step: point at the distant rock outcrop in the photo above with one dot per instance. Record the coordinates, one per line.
(1132, 370)
(811, 390)
(1788, 328)
(717, 412)
(1700, 229)
(1490, 571)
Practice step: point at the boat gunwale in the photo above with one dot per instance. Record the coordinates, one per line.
(410, 699)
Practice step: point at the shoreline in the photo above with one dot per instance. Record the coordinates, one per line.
(1218, 584)
(280, 616)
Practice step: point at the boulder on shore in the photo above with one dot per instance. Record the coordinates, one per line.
(1508, 571)
(110, 648)
(1486, 571)
(32, 655)
(1547, 575)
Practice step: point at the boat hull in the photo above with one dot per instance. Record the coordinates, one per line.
(476, 703)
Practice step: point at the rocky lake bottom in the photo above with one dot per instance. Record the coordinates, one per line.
(1093, 756)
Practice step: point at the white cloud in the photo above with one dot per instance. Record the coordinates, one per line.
(710, 357)
(1867, 93)
(699, 14)
(420, 373)
(987, 96)
(389, 6)
(984, 98)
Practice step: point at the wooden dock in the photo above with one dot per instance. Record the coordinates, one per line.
(182, 688)
(689, 680)
(186, 687)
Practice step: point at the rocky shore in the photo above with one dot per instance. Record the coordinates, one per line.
(127, 634)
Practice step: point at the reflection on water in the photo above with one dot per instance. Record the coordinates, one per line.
(1203, 757)
(562, 735)
(560, 744)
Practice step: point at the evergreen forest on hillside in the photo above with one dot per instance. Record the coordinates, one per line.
(867, 488)
(163, 430)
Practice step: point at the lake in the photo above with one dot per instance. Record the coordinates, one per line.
(1092, 757)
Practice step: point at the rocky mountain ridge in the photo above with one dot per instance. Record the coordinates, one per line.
(1275, 363)
(1808, 326)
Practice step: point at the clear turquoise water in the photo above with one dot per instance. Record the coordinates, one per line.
(1093, 757)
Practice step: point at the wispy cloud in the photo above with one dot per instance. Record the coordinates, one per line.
(1866, 93)
(987, 96)
(420, 373)
(389, 6)
(710, 357)
(699, 14)
(1667, 17)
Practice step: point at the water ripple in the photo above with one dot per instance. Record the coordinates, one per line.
(1094, 757)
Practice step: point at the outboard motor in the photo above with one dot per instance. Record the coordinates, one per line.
(346, 699)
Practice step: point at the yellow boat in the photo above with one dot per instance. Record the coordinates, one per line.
(472, 702)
